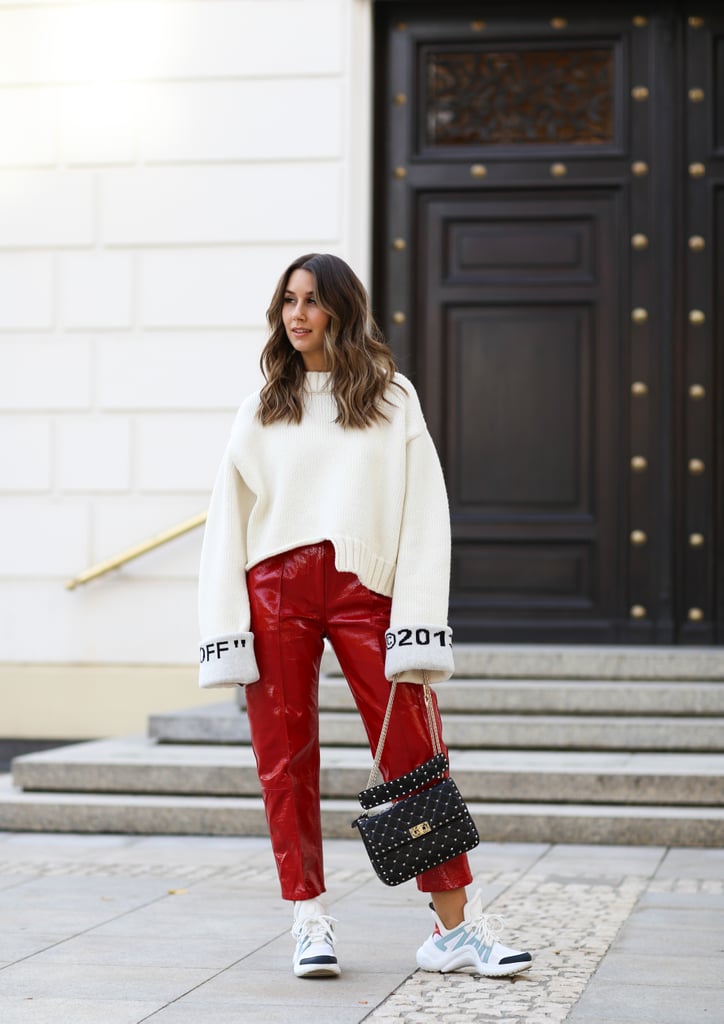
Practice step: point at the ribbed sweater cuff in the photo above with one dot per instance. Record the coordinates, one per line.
(227, 661)
(414, 649)
(354, 556)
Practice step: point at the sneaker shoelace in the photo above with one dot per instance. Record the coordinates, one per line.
(486, 928)
(317, 929)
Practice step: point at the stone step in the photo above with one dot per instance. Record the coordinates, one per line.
(137, 765)
(553, 661)
(221, 723)
(558, 697)
(224, 723)
(497, 822)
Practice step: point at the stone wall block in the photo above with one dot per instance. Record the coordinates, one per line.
(253, 203)
(96, 289)
(26, 291)
(48, 538)
(177, 453)
(25, 453)
(45, 374)
(46, 208)
(198, 371)
(94, 453)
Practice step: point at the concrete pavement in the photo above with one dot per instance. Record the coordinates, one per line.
(118, 929)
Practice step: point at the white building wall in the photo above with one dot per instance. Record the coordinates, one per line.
(160, 164)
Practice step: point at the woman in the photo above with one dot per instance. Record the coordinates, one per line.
(329, 518)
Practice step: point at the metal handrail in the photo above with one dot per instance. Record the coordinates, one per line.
(136, 551)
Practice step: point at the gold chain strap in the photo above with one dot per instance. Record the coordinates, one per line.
(431, 721)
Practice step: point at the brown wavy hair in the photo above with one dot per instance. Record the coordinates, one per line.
(357, 356)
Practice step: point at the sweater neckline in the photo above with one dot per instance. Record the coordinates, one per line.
(316, 381)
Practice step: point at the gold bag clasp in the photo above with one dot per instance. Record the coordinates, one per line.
(420, 830)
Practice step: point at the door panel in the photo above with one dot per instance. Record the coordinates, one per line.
(543, 575)
(520, 356)
(520, 439)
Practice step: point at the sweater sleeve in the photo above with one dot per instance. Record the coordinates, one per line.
(227, 645)
(419, 639)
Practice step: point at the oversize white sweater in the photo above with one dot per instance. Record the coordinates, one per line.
(376, 493)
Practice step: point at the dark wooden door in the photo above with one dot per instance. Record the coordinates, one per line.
(549, 206)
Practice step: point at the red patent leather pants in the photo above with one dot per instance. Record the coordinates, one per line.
(297, 599)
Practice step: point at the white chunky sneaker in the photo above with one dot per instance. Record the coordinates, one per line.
(470, 944)
(313, 929)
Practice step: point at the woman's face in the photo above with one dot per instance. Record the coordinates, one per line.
(304, 321)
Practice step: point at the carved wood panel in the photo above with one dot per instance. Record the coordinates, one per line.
(527, 96)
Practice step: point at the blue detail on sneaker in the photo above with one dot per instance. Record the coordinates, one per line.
(471, 944)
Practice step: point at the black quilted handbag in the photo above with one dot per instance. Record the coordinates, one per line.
(423, 827)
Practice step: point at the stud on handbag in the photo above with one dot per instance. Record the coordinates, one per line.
(424, 827)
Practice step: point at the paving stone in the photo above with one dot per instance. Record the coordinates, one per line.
(642, 938)
(8, 878)
(251, 987)
(165, 925)
(43, 980)
(660, 970)
(64, 844)
(34, 920)
(305, 1012)
(16, 945)
(710, 886)
(686, 863)
(692, 899)
(183, 950)
(19, 1010)
(648, 1004)
(600, 860)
